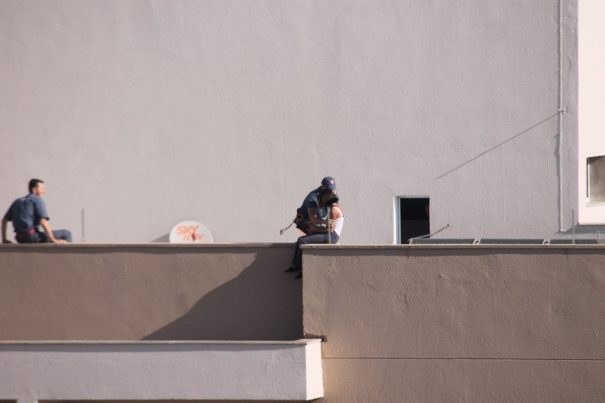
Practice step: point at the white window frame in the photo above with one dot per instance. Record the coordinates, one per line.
(397, 214)
(591, 102)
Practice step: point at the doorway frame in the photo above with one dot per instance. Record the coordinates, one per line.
(397, 215)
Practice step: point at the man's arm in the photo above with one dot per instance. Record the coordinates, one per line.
(4, 224)
(317, 224)
(335, 214)
(49, 233)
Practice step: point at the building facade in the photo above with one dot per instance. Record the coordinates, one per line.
(390, 323)
(142, 114)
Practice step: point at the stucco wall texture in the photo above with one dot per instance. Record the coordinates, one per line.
(402, 323)
(479, 324)
(141, 114)
(150, 292)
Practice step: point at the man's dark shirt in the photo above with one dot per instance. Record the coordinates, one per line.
(311, 201)
(26, 212)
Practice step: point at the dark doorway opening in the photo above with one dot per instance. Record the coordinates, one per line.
(414, 216)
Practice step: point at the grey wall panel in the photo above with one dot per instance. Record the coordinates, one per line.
(146, 113)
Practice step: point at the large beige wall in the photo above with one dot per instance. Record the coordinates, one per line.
(476, 324)
(410, 323)
(148, 292)
(144, 113)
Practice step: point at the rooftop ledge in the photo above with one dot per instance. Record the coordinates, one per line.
(457, 246)
(150, 245)
(161, 370)
(600, 244)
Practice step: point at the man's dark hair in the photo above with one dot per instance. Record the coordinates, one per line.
(33, 183)
(327, 197)
(333, 199)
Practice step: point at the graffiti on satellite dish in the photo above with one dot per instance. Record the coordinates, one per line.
(190, 232)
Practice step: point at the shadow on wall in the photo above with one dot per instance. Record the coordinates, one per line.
(163, 239)
(261, 303)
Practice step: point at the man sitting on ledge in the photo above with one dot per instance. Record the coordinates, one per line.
(27, 214)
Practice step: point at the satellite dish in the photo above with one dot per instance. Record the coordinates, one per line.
(190, 232)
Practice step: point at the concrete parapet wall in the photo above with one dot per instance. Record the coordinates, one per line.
(458, 323)
(154, 292)
(402, 323)
(151, 371)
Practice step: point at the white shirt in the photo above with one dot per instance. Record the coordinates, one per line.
(338, 225)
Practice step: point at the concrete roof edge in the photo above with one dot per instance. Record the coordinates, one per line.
(454, 246)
